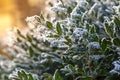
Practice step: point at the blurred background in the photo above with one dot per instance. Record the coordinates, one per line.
(14, 12)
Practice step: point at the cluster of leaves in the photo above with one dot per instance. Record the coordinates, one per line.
(82, 42)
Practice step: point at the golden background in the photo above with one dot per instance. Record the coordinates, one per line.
(14, 12)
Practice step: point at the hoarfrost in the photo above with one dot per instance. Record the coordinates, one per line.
(116, 67)
(93, 45)
(7, 65)
(79, 33)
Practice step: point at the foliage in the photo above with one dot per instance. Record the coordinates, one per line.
(82, 42)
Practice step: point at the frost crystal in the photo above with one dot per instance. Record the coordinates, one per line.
(14, 73)
(97, 57)
(116, 67)
(79, 33)
(69, 2)
(93, 45)
(58, 43)
(117, 9)
(59, 8)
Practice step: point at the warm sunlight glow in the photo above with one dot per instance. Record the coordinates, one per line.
(5, 22)
(14, 12)
(6, 7)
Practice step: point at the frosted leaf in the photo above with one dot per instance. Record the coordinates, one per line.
(59, 9)
(10, 39)
(54, 44)
(58, 43)
(79, 10)
(97, 57)
(93, 45)
(14, 74)
(117, 9)
(82, 3)
(7, 65)
(85, 32)
(40, 33)
(32, 21)
(76, 13)
(118, 50)
(70, 22)
(109, 2)
(100, 24)
(69, 2)
(35, 76)
(110, 10)
(79, 33)
(116, 67)
(92, 8)
(21, 58)
(63, 45)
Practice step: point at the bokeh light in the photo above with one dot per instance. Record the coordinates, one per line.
(14, 12)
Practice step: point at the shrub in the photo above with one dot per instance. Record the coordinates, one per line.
(82, 42)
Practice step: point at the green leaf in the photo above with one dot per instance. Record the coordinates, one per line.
(24, 75)
(117, 21)
(56, 36)
(104, 44)
(69, 41)
(96, 39)
(87, 26)
(71, 68)
(29, 38)
(69, 10)
(41, 17)
(59, 29)
(6, 77)
(80, 71)
(49, 25)
(48, 76)
(57, 76)
(19, 33)
(92, 30)
(19, 40)
(109, 30)
(116, 41)
(19, 75)
(53, 35)
(30, 77)
(107, 51)
(31, 52)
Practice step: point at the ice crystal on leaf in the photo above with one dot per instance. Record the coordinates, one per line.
(94, 45)
(116, 67)
(79, 33)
